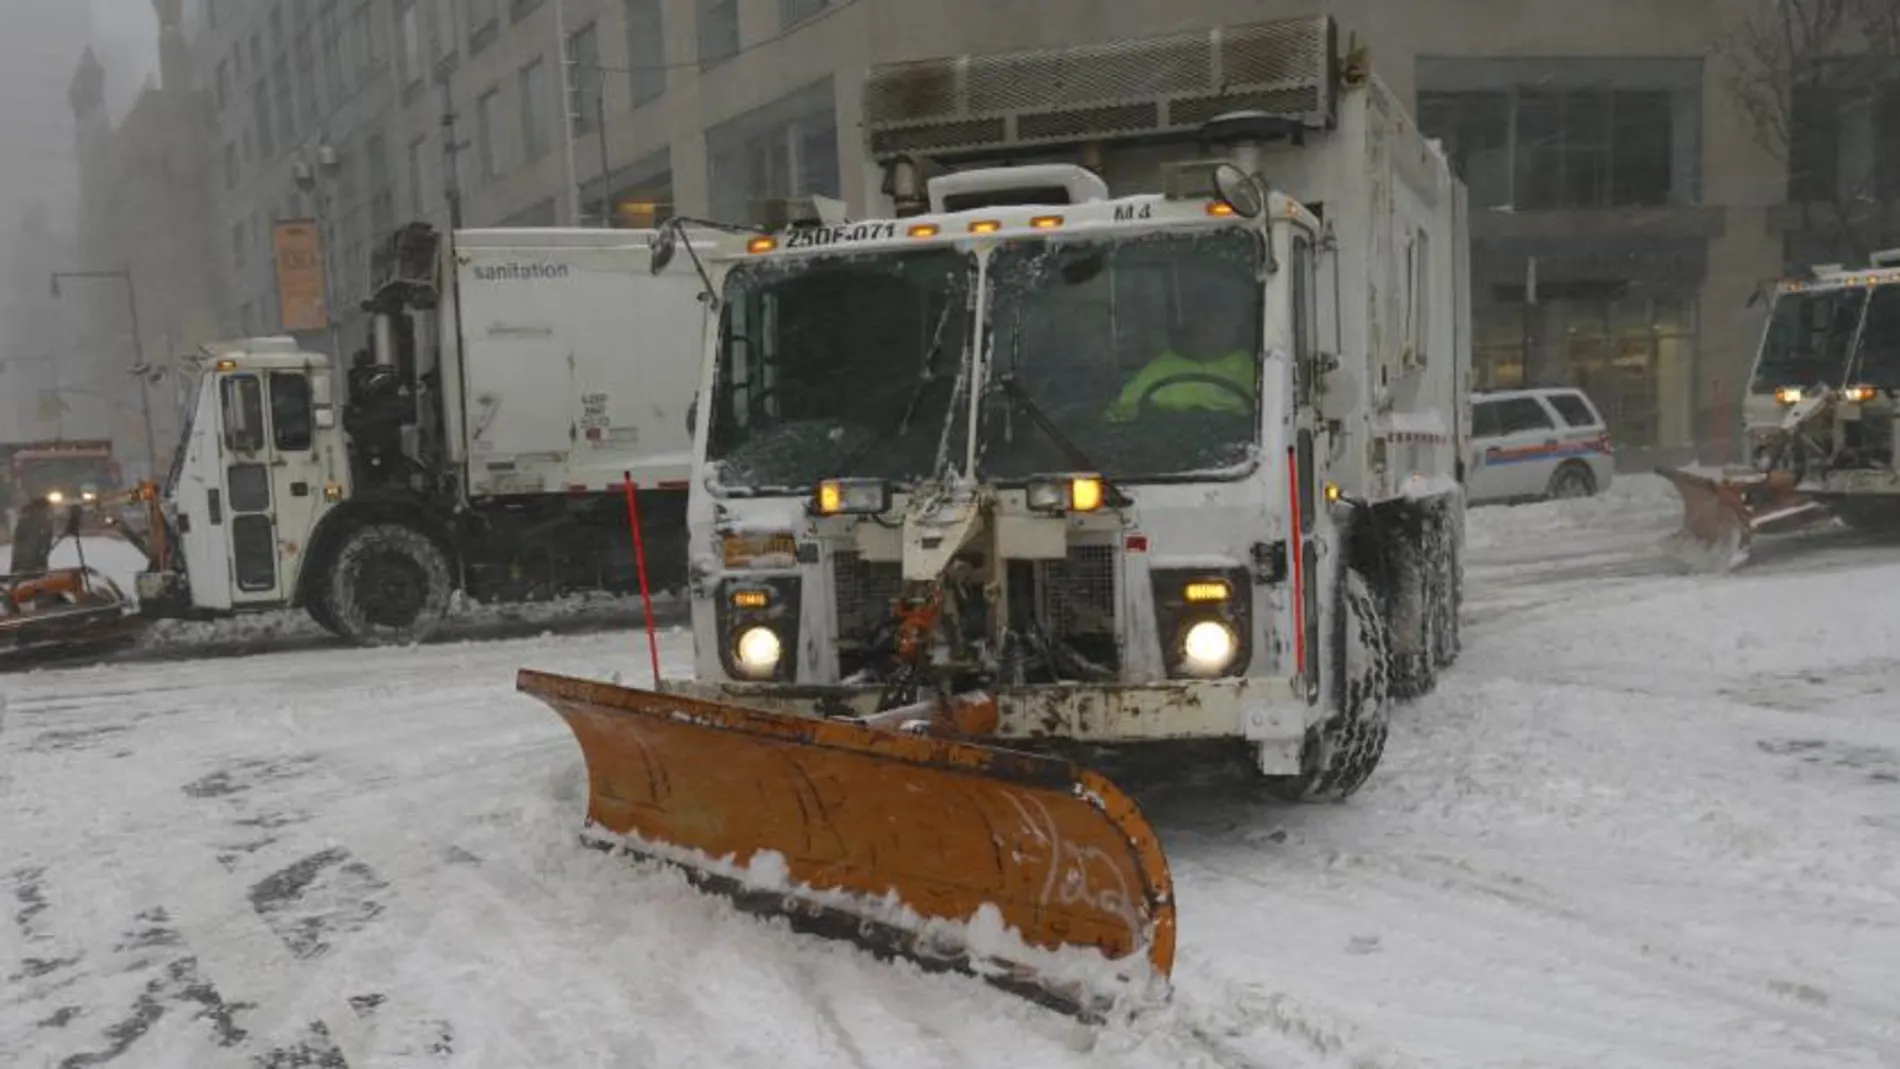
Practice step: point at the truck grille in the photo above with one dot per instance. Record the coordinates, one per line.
(1078, 592)
(862, 592)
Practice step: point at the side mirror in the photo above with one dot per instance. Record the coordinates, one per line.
(1241, 191)
(663, 245)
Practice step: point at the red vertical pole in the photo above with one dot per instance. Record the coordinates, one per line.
(640, 564)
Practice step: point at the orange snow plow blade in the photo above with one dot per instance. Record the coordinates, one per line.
(1724, 514)
(61, 611)
(888, 838)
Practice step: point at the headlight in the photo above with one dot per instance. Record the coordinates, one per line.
(89, 496)
(852, 497)
(1209, 647)
(1788, 395)
(757, 652)
(55, 497)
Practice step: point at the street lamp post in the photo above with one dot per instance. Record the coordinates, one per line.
(139, 367)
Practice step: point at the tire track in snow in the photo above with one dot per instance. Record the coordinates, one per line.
(1625, 949)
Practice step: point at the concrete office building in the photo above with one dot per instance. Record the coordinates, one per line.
(1624, 212)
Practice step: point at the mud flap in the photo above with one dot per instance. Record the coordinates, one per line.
(954, 855)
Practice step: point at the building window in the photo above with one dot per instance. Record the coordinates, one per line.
(239, 244)
(793, 12)
(370, 56)
(646, 50)
(535, 129)
(638, 197)
(718, 31)
(410, 28)
(487, 114)
(483, 17)
(1567, 134)
(332, 56)
(260, 115)
(584, 77)
(1844, 142)
(224, 83)
(307, 77)
(783, 150)
(230, 165)
(286, 105)
(417, 181)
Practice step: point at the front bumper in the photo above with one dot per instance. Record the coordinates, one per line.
(1266, 710)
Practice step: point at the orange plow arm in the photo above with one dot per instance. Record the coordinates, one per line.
(916, 844)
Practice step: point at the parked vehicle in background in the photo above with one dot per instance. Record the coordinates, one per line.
(1532, 444)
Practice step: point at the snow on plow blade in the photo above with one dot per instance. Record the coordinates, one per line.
(1722, 514)
(60, 612)
(955, 855)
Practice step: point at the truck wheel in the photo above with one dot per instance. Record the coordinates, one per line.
(388, 585)
(1341, 754)
(317, 604)
(1445, 548)
(1417, 579)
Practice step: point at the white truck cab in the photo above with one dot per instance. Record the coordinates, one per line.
(261, 463)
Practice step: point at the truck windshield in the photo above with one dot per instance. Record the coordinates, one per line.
(1879, 355)
(1809, 338)
(837, 367)
(69, 475)
(1142, 353)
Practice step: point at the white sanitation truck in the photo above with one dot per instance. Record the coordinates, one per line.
(1139, 450)
(517, 380)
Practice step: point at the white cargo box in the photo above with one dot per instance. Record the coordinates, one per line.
(577, 364)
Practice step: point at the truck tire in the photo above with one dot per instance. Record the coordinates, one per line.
(388, 585)
(1341, 754)
(1417, 577)
(317, 605)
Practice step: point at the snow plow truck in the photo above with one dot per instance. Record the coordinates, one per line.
(1130, 425)
(1819, 418)
(517, 384)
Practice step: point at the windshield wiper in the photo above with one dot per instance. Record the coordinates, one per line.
(1020, 400)
(926, 377)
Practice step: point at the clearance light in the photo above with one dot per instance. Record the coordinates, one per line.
(227, 365)
(1332, 493)
(763, 244)
(1046, 222)
(985, 226)
(1788, 395)
(1858, 394)
(1219, 207)
(925, 230)
(1207, 590)
(333, 491)
(759, 550)
(751, 599)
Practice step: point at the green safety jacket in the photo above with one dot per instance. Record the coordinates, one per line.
(1236, 367)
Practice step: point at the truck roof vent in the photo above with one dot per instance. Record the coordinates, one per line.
(1049, 184)
(1153, 88)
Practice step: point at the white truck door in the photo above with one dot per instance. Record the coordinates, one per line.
(198, 501)
(246, 512)
(296, 476)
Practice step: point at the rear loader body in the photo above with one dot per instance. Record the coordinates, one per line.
(1033, 466)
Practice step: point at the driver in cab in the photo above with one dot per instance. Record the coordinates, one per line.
(1211, 342)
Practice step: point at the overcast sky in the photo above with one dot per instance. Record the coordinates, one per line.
(127, 43)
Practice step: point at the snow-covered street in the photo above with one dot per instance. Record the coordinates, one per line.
(1650, 820)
